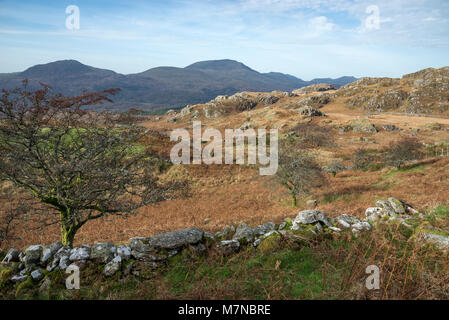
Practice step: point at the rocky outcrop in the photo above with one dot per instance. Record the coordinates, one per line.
(391, 208)
(314, 88)
(425, 91)
(308, 111)
(362, 125)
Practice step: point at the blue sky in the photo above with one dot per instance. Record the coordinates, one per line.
(305, 38)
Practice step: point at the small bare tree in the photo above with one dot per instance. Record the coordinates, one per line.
(298, 171)
(406, 149)
(313, 135)
(81, 165)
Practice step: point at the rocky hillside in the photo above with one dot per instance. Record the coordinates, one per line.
(422, 92)
(425, 92)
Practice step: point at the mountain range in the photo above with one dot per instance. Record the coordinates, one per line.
(160, 87)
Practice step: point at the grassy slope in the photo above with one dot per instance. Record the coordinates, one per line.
(327, 267)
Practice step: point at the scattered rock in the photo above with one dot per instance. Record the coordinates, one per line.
(244, 233)
(270, 242)
(311, 217)
(362, 125)
(441, 242)
(80, 253)
(49, 251)
(113, 266)
(264, 228)
(389, 127)
(124, 252)
(346, 221)
(308, 111)
(163, 246)
(267, 99)
(45, 286)
(61, 255)
(19, 278)
(32, 255)
(103, 252)
(361, 226)
(12, 256)
(37, 275)
(314, 88)
(228, 247)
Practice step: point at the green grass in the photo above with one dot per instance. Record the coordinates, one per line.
(346, 197)
(396, 171)
(442, 211)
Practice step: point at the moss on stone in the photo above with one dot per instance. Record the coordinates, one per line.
(270, 243)
(26, 288)
(5, 275)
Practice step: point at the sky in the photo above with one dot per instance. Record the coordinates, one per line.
(305, 38)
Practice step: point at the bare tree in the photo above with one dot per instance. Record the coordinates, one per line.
(406, 149)
(298, 171)
(313, 135)
(79, 164)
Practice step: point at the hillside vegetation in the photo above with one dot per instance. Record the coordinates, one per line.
(374, 139)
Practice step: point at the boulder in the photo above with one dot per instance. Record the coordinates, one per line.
(228, 247)
(12, 256)
(163, 246)
(441, 242)
(267, 99)
(113, 266)
(308, 111)
(103, 252)
(373, 213)
(177, 239)
(311, 217)
(361, 226)
(61, 255)
(346, 220)
(49, 251)
(124, 252)
(264, 228)
(19, 278)
(319, 87)
(389, 127)
(270, 242)
(32, 255)
(362, 125)
(244, 233)
(80, 253)
(64, 262)
(37, 275)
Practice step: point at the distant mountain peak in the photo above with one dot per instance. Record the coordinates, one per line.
(158, 87)
(224, 64)
(61, 67)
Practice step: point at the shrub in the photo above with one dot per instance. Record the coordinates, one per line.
(406, 149)
(298, 172)
(313, 135)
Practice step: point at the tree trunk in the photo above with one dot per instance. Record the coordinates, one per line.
(68, 235)
(293, 201)
(68, 228)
